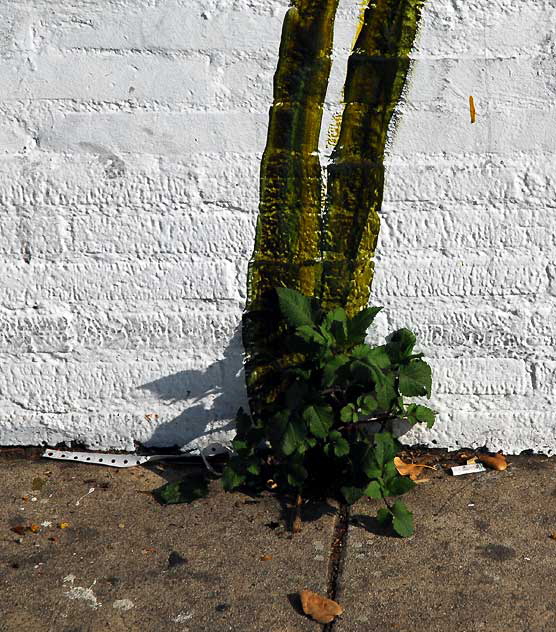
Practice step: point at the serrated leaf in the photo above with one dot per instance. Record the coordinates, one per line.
(310, 334)
(336, 323)
(319, 420)
(295, 307)
(415, 379)
(402, 520)
(358, 325)
(373, 490)
(187, 490)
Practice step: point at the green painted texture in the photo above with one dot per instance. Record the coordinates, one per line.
(323, 248)
(287, 242)
(377, 70)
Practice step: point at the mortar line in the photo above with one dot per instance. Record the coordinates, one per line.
(337, 557)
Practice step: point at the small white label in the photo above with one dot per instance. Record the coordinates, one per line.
(468, 469)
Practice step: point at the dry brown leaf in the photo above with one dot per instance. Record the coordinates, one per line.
(20, 529)
(413, 470)
(552, 536)
(496, 462)
(321, 609)
(265, 558)
(35, 528)
(64, 525)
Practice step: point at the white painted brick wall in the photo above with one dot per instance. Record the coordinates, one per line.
(130, 140)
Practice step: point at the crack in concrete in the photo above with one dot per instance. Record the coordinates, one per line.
(337, 557)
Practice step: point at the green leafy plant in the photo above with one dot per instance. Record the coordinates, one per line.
(327, 424)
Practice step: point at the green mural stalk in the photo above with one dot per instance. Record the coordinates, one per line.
(287, 242)
(322, 248)
(377, 70)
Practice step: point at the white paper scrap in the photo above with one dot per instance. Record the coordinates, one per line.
(473, 468)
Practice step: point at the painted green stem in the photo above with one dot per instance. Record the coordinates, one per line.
(287, 242)
(377, 70)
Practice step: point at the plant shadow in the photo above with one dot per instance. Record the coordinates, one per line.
(371, 525)
(210, 396)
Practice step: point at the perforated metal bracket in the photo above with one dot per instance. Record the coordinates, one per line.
(132, 460)
(112, 460)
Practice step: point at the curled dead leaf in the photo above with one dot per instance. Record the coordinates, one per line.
(496, 462)
(321, 609)
(413, 470)
(265, 558)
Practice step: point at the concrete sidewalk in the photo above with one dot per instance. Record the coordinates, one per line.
(114, 559)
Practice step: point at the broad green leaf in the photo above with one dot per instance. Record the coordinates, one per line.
(404, 341)
(399, 485)
(352, 494)
(362, 373)
(297, 474)
(367, 404)
(296, 394)
(385, 448)
(402, 520)
(373, 490)
(330, 369)
(383, 516)
(386, 393)
(379, 357)
(295, 307)
(341, 447)
(254, 468)
(358, 325)
(233, 475)
(187, 490)
(348, 414)
(294, 435)
(319, 419)
(415, 379)
(420, 414)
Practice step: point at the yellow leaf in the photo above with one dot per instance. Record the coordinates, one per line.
(496, 462)
(64, 525)
(413, 470)
(319, 608)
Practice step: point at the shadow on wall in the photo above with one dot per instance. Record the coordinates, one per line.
(211, 397)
